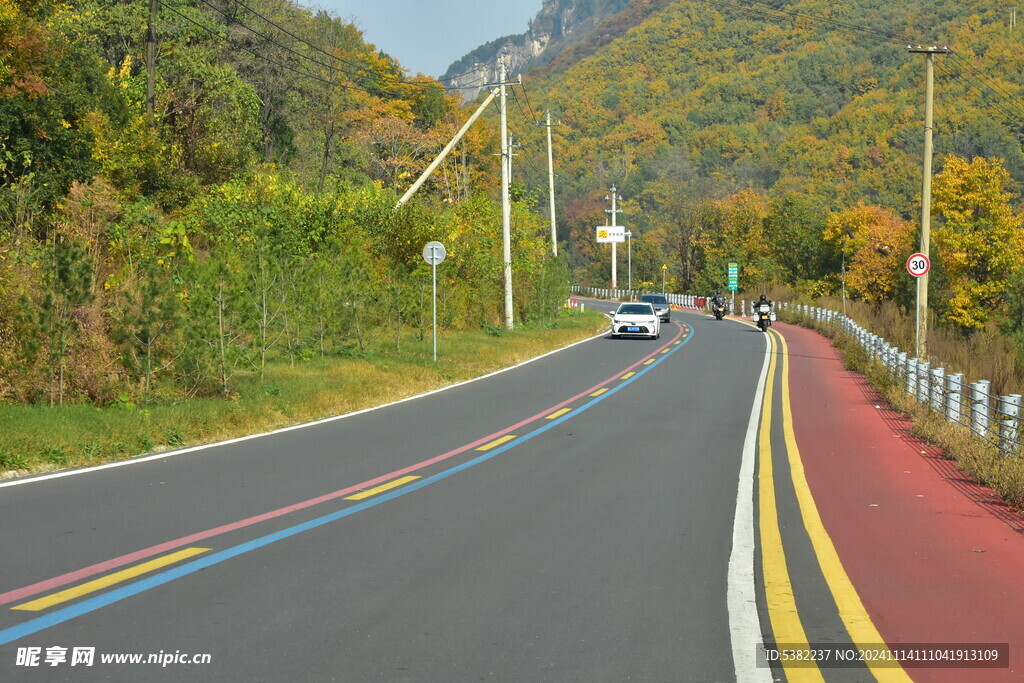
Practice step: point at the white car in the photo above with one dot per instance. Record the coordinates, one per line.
(637, 319)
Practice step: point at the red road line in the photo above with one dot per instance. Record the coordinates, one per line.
(91, 570)
(930, 565)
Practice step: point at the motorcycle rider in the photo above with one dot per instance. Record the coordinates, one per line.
(756, 310)
(717, 300)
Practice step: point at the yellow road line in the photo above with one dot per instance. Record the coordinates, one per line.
(627, 375)
(786, 625)
(851, 610)
(648, 362)
(599, 391)
(665, 350)
(677, 342)
(394, 483)
(108, 580)
(497, 442)
(558, 413)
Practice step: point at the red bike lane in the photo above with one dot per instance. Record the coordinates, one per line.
(934, 558)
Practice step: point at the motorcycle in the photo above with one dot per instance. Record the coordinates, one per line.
(763, 316)
(719, 310)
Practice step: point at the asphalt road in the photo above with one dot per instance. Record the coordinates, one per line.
(592, 546)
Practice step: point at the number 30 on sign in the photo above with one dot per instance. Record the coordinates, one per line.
(918, 264)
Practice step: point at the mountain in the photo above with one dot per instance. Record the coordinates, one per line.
(559, 25)
(683, 104)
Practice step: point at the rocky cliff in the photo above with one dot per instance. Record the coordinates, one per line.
(559, 25)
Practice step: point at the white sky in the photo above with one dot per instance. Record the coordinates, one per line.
(428, 35)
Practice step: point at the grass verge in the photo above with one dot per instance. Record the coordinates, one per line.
(978, 459)
(39, 438)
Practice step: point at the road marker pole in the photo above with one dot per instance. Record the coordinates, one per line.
(434, 253)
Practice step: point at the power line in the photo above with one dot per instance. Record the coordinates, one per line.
(969, 85)
(261, 56)
(996, 91)
(999, 90)
(489, 62)
(270, 40)
(321, 50)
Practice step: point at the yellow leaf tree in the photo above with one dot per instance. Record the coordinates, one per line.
(978, 239)
(876, 241)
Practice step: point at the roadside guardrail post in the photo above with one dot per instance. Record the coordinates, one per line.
(954, 396)
(938, 384)
(1010, 410)
(979, 407)
(924, 375)
(901, 366)
(911, 383)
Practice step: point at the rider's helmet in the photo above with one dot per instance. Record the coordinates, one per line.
(718, 292)
(763, 298)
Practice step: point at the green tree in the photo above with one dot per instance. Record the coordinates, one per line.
(68, 287)
(145, 325)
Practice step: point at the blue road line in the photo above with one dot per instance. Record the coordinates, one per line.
(67, 613)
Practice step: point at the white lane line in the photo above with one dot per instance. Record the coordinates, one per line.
(170, 454)
(744, 625)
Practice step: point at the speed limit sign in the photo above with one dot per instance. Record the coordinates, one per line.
(918, 264)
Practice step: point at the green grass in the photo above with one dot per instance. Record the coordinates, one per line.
(40, 438)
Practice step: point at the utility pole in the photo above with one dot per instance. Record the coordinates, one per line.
(506, 207)
(151, 63)
(613, 211)
(444, 152)
(551, 186)
(629, 250)
(926, 192)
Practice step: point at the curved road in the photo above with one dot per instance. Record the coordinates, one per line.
(618, 510)
(593, 545)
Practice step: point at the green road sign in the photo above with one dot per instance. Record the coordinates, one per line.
(734, 277)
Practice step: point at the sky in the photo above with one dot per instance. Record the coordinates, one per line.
(427, 35)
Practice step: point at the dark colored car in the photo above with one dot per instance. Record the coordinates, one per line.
(660, 304)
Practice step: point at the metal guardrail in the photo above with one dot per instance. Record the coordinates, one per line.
(996, 419)
(684, 300)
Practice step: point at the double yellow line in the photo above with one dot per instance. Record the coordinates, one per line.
(779, 596)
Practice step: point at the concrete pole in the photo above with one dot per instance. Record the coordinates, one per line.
(629, 258)
(615, 268)
(151, 63)
(926, 194)
(444, 153)
(506, 206)
(551, 188)
(926, 205)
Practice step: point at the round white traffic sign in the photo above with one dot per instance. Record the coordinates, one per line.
(918, 264)
(434, 253)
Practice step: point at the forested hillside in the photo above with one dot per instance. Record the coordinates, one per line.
(781, 134)
(244, 213)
